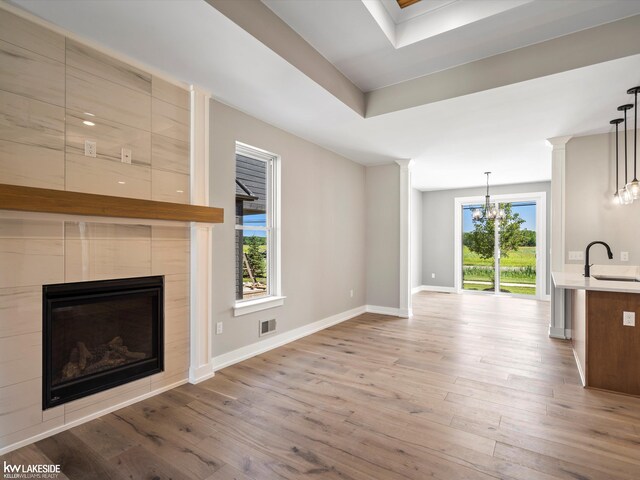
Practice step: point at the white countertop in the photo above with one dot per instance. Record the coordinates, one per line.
(576, 281)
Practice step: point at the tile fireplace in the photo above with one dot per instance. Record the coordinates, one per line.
(100, 334)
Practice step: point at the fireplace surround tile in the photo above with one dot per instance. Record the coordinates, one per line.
(103, 400)
(176, 307)
(92, 61)
(51, 413)
(162, 380)
(106, 177)
(110, 138)
(31, 36)
(169, 120)
(38, 166)
(20, 358)
(31, 122)
(20, 406)
(20, 311)
(170, 250)
(170, 93)
(169, 187)
(169, 154)
(30, 74)
(31, 253)
(106, 99)
(99, 251)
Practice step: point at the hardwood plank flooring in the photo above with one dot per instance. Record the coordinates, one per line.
(471, 387)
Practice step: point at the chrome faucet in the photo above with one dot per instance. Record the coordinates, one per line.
(587, 266)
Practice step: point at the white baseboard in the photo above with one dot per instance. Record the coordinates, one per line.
(243, 353)
(384, 310)
(546, 298)
(417, 289)
(434, 288)
(556, 332)
(80, 421)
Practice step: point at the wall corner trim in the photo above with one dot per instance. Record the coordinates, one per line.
(404, 267)
(201, 272)
(558, 215)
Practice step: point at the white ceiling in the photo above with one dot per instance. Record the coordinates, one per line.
(452, 142)
(347, 34)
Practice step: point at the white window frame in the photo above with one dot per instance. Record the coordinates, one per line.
(274, 297)
(540, 198)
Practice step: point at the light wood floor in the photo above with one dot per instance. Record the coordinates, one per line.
(470, 388)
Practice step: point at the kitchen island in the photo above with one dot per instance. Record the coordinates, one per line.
(607, 351)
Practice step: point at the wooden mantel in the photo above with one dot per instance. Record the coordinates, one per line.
(31, 199)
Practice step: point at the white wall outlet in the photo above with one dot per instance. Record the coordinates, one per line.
(219, 328)
(125, 155)
(433, 275)
(351, 293)
(90, 148)
(624, 256)
(629, 319)
(576, 255)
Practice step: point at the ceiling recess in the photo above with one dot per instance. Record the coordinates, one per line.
(406, 3)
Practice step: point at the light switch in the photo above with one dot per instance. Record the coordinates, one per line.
(624, 256)
(219, 328)
(576, 255)
(629, 319)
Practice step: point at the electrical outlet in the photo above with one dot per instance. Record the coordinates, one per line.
(629, 319)
(219, 328)
(90, 148)
(624, 256)
(351, 293)
(433, 275)
(575, 255)
(125, 155)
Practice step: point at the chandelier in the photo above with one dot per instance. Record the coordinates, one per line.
(490, 211)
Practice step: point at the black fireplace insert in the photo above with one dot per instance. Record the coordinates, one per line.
(100, 334)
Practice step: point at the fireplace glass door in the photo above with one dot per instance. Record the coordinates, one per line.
(100, 334)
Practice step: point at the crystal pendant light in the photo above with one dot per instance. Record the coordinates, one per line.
(634, 186)
(625, 192)
(489, 211)
(617, 198)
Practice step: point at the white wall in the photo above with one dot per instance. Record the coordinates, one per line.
(323, 229)
(383, 235)
(416, 238)
(590, 212)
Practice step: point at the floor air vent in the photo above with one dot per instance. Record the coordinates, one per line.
(267, 326)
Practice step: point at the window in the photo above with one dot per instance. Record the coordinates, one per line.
(257, 280)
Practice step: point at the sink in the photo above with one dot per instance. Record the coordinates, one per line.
(613, 278)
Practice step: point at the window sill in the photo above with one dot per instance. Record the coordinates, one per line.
(251, 306)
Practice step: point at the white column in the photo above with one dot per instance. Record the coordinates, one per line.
(405, 238)
(557, 326)
(201, 365)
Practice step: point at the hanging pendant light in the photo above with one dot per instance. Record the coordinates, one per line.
(625, 191)
(617, 199)
(634, 186)
(489, 211)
